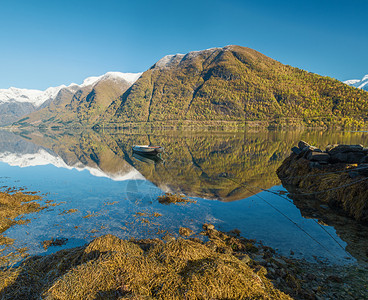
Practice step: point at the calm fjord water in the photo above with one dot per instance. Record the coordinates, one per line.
(101, 186)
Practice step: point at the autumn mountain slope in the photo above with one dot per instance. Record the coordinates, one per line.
(232, 84)
(235, 84)
(81, 105)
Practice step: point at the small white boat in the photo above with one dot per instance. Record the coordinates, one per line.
(146, 149)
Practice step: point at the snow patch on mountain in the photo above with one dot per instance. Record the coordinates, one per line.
(174, 59)
(168, 60)
(359, 83)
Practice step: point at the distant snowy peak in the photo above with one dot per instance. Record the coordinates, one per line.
(37, 97)
(359, 83)
(129, 77)
(117, 76)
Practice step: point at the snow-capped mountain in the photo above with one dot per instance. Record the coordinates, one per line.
(37, 97)
(359, 83)
(17, 102)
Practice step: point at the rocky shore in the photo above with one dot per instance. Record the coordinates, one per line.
(209, 265)
(337, 176)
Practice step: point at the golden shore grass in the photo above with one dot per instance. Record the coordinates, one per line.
(331, 184)
(13, 205)
(111, 268)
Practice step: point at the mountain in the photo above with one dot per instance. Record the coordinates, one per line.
(227, 87)
(16, 102)
(360, 84)
(238, 84)
(82, 104)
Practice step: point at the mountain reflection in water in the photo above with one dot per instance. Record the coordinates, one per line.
(193, 164)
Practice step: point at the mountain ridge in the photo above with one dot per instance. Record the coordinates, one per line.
(233, 85)
(17, 102)
(237, 84)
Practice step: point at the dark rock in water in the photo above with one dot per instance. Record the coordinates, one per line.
(296, 150)
(339, 157)
(355, 157)
(317, 150)
(362, 169)
(303, 145)
(315, 164)
(344, 148)
(353, 174)
(364, 160)
(348, 157)
(305, 153)
(318, 156)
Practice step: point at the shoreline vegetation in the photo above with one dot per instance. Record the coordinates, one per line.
(192, 125)
(15, 204)
(193, 265)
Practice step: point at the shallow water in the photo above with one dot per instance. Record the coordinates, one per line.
(231, 176)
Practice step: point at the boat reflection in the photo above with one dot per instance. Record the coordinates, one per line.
(149, 159)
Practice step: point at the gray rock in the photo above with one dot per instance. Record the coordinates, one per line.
(208, 226)
(339, 157)
(314, 164)
(353, 174)
(318, 156)
(364, 160)
(260, 259)
(296, 150)
(362, 169)
(302, 145)
(245, 258)
(355, 157)
(279, 260)
(345, 148)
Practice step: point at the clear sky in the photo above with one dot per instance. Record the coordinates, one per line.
(48, 43)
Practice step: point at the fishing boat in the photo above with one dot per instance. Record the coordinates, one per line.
(147, 150)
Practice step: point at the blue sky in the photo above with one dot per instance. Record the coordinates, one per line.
(48, 43)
